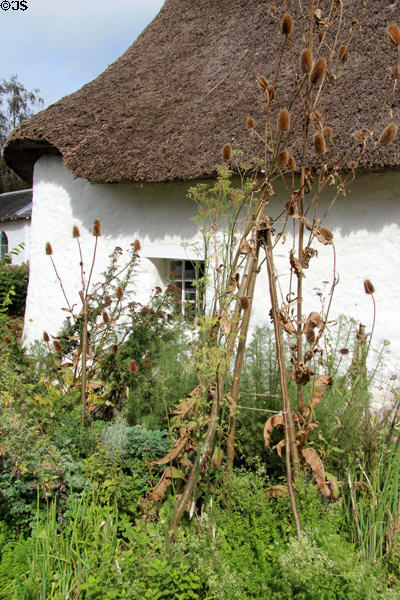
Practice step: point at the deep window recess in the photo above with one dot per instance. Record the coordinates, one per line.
(186, 276)
(3, 245)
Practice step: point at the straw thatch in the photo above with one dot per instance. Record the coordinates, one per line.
(164, 109)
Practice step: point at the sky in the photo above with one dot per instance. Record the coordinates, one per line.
(59, 45)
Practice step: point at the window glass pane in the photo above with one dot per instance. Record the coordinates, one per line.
(190, 294)
(176, 269)
(190, 271)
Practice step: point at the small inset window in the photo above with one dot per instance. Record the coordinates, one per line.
(187, 276)
(3, 245)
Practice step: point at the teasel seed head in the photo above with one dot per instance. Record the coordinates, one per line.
(106, 318)
(291, 165)
(119, 292)
(316, 119)
(270, 93)
(46, 337)
(306, 61)
(108, 300)
(287, 24)
(388, 134)
(318, 72)
(114, 349)
(6, 340)
(227, 152)
(328, 132)
(136, 246)
(133, 366)
(75, 231)
(250, 123)
(96, 228)
(244, 302)
(49, 249)
(319, 144)
(393, 33)
(343, 54)
(282, 159)
(262, 82)
(57, 346)
(396, 71)
(368, 287)
(283, 123)
(326, 233)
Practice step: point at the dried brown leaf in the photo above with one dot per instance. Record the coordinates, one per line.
(286, 324)
(296, 264)
(161, 487)
(300, 373)
(278, 491)
(311, 457)
(279, 447)
(314, 319)
(173, 453)
(274, 421)
(319, 389)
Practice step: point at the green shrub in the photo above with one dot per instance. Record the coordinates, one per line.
(14, 277)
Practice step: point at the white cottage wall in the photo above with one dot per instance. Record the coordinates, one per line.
(365, 224)
(17, 232)
(159, 216)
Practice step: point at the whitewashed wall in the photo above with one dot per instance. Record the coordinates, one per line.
(365, 225)
(17, 232)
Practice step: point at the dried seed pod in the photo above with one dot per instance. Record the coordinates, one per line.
(133, 366)
(283, 123)
(343, 54)
(108, 300)
(262, 82)
(319, 144)
(136, 245)
(114, 349)
(6, 340)
(344, 351)
(328, 132)
(353, 165)
(326, 234)
(282, 159)
(49, 249)
(287, 24)
(75, 231)
(106, 317)
(318, 72)
(396, 71)
(270, 93)
(227, 152)
(46, 337)
(96, 228)
(244, 302)
(316, 119)
(306, 61)
(57, 346)
(119, 292)
(368, 287)
(291, 165)
(388, 134)
(250, 123)
(393, 33)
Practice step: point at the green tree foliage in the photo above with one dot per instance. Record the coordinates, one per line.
(16, 105)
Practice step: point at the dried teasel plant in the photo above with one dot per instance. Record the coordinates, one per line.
(293, 165)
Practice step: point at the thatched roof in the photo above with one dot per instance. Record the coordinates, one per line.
(185, 87)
